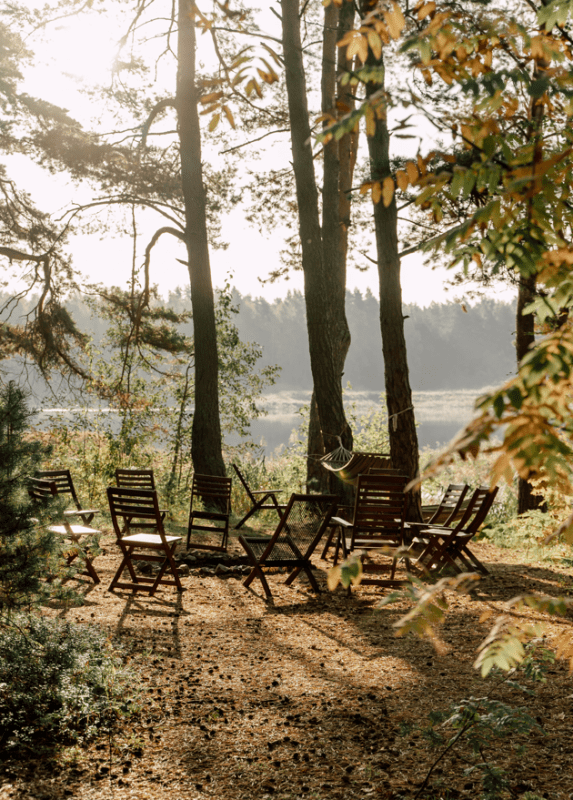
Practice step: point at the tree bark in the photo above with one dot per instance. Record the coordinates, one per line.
(527, 500)
(334, 242)
(320, 315)
(206, 445)
(401, 419)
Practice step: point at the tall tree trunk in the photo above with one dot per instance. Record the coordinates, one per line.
(401, 419)
(527, 500)
(206, 445)
(334, 243)
(320, 316)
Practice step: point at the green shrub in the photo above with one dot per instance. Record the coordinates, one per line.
(59, 684)
(28, 551)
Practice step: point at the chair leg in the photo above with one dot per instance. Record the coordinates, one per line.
(168, 562)
(91, 571)
(328, 541)
(256, 571)
(125, 562)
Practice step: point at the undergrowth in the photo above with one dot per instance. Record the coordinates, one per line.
(60, 684)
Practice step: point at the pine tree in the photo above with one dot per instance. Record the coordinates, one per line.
(28, 552)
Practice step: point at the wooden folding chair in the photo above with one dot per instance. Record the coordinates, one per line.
(138, 527)
(210, 505)
(450, 508)
(449, 546)
(137, 479)
(42, 491)
(261, 499)
(62, 479)
(299, 531)
(377, 523)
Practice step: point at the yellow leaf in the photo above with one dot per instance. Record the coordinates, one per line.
(376, 192)
(387, 191)
(402, 179)
(229, 116)
(537, 49)
(211, 98)
(357, 47)
(333, 577)
(395, 20)
(214, 121)
(375, 43)
(426, 9)
(412, 171)
(370, 122)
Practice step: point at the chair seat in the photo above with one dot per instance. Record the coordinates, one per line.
(149, 539)
(73, 529)
(79, 511)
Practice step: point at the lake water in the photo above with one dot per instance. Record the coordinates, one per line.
(439, 414)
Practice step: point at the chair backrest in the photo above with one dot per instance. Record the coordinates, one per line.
(303, 523)
(478, 508)
(246, 486)
(213, 491)
(41, 490)
(135, 479)
(134, 510)
(380, 506)
(62, 479)
(450, 504)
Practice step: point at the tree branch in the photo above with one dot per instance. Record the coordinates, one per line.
(258, 139)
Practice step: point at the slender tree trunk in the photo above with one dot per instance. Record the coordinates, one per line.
(206, 445)
(320, 316)
(401, 419)
(527, 500)
(334, 247)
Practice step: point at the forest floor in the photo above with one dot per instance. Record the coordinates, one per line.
(308, 697)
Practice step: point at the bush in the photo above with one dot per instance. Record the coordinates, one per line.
(28, 551)
(59, 684)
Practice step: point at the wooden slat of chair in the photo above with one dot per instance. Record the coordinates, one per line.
(135, 479)
(449, 546)
(300, 529)
(214, 494)
(451, 506)
(129, 478)
(138, 527)
(43, 490)
(377, 523)
(261, 499)
(62, 479)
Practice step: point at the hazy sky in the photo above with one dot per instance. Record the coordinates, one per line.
(84, 49)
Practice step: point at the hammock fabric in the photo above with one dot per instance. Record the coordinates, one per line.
(357, 464)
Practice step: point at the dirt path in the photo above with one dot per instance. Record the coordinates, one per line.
(312, 697)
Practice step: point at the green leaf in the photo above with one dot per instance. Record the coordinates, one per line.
(515, 397)
(498, 405)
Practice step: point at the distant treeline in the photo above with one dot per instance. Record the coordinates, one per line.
(448, 348)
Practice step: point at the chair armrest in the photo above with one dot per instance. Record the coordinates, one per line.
(340, 521)
(268, 491)
(74, 512)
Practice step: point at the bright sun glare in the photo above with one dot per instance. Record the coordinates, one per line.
(75, 53)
